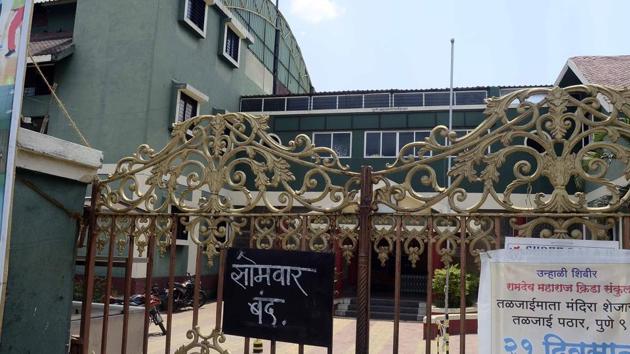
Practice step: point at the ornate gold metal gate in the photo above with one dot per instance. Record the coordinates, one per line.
(520, 171)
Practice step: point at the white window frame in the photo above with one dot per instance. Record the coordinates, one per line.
(229, 25)
(331, 133)
(192, 25)
(380, 132)
(191, 92)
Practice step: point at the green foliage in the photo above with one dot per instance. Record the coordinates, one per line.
(439, 281)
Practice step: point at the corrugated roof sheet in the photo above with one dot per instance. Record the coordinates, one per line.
(361, 92)
(604, 70)
(50, 43)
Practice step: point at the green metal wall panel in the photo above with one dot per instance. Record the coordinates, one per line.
(425, 120)
(286, 123)
(396, 120)
(40, 302)
(367, 121)
(312, 123)
(338, 122)
(474, 118)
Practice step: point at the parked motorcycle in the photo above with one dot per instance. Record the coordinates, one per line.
(184, 294)
(154, 305)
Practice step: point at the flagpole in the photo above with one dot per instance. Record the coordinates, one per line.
(450, 104)
(445, 336)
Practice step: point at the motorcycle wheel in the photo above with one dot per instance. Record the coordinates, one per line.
(178, 299)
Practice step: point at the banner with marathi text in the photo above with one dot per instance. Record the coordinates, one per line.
(555, 301)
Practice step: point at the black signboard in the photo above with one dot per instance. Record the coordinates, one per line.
(285, 296)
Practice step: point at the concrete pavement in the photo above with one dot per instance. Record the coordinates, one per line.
(381, 336)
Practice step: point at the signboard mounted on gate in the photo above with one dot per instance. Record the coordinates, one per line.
(555, 301)
(279, 295)
(530, 243)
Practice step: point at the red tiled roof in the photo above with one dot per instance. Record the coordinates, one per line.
(611, 71)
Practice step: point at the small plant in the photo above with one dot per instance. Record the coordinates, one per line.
(439, 281)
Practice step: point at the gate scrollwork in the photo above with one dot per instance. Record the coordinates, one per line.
(222, 175)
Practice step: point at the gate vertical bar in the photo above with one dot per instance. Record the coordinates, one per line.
(197, 282)
(334, 231)
(303, 247)
(252, 244)
(108, 286)
(90, 264)
(171, 285)
(362, 340)
(219, 310)
(147, 283)
(128, 274)
(497, 233)
(462, 286)
(626, 233)
(397, 285)
(429, 302)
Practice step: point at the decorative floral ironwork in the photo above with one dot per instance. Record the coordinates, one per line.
(213, 233)
(122, 231)
(384, 236)
(415, 234)
(480, 235)
(290, 227)
(229, 164)
(566, 228)
(446, 237)
(225, 172)
(318, 234)
(202, 344)
(103, 229)
(348, 235)
(543, 132)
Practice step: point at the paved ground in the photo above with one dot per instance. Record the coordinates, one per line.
(381, 336)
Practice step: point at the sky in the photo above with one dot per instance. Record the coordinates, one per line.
(405, 44)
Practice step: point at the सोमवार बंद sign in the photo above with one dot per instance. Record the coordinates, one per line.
(278, 295)
(554, 301)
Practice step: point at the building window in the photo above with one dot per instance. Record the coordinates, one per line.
(231, 45)
(195, 12)
(34, 84)
(189, 99)
(339, 142)
(389, 143)
(187, 107)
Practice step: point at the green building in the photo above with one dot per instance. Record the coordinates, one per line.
(127, 70)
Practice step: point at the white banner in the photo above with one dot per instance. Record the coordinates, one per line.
(530, 243)
(555, 301)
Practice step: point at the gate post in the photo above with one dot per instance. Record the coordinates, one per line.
(88, 274)
(363, 269)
